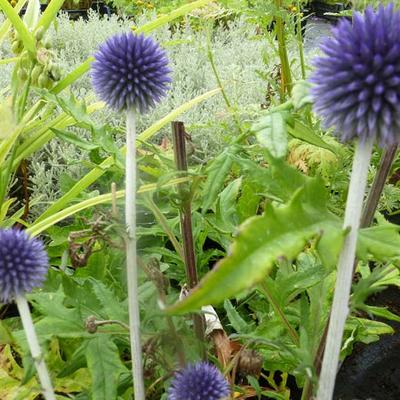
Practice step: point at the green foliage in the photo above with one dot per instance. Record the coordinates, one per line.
(266, 187)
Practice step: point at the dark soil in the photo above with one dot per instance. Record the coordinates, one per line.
(372, 372)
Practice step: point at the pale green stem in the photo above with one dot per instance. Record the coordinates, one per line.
(340, 306)
(36, 352)
(280, 313)
(131, 264)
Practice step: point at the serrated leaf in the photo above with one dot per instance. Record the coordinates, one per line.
(368, 327)
(381, 241)
(74, 139)
(306, 134)
(281, 232)
(217, 171)
(235, 319)
(382, 312)
(271, 132)
(226, 216)
(112, 308)
(105, 367)
(77, 361)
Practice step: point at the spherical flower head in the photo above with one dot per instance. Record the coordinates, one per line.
(356, 83)
(198, 381)
(130, 72)
(23, 263)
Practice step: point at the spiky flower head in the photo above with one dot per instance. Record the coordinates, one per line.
(356, 83)
(198, 381)
(23, 263)
(130, 71)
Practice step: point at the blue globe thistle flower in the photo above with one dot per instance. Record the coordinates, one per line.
(357, 81)
(130, 71)
(199, 381)
(23, 263)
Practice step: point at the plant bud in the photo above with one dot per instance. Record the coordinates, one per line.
(43, 56)
(22, 74)
(46, 43)
(39, 34)
(16, 46)
(43, 80)
(25, 60)
(55, 72)
(37, 70)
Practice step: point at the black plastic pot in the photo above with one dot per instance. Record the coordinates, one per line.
(372, 371)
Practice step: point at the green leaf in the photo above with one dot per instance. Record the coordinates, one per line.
(50, 13)
(235, 319)
(32, 14)
(382, 312)
(281, 232)
(271, 132)
(105, 367)
(377, 280)
(217, 172)
(77, 361)
(111, 307)
(5, 334)
(226, 216)
(307, 134)
(367, 329)
(74, 139)
(381, 241)
(5, 26)
(24, 34)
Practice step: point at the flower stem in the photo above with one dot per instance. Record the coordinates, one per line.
(340, 306)
(378, 184)
(300, 40)
(131, 264)
(185, 213)
(279, 312)
(286, 75)
(36, 352)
